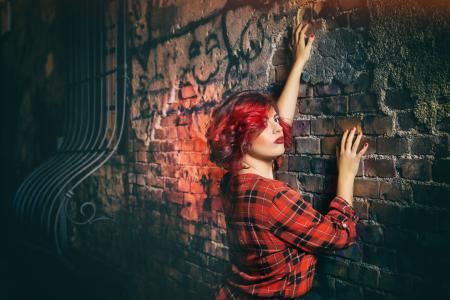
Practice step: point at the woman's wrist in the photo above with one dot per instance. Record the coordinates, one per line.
(299, 64)
(345, 188)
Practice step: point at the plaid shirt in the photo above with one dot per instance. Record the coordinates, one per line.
(274, 236)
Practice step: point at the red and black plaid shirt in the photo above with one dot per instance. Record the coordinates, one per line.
(274, 236)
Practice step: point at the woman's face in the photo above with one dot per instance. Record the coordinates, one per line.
(264, 146)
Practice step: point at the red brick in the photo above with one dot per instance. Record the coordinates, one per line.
(140, 179)
(385, 212)
(322, 126)
(154, 181)
(183, 185)
(394, 190)
(187, 145)
(392, 145)
(328, 9)
(310, 106)
(141, 156)
(370, 233)
(187, 92)
(154, 146)
(299, 164)
(281, 73)
(183, 120)
(310, 183)
(166, 146)
(329, 144)
(168, 120)
(307, 145)
(330, 105)
(378, 125)
(419, 169)
(166, 133)
(305, 91)
(326, 166)
(343, 123)
(197, 187)
(301, 128)
(322, 90)
(183, 132)
(379, 167)
(280, 57)
(364, 102)
(335, 105)
(141, 168)
(361, 208)
(175, 197)
(366, 188)
(159, 134)
(423, 145)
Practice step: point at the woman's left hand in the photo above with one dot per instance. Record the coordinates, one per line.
(297, 45)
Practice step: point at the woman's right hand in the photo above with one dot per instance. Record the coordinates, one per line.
(301, 51)
(347, 158)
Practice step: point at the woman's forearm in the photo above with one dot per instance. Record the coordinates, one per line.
(287, 101)
(345, 188)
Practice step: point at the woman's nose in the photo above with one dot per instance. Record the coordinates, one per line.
(277, 127)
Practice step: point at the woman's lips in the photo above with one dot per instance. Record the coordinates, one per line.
(279, 140)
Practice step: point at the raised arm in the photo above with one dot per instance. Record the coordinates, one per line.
(296, 222)
(287, 101)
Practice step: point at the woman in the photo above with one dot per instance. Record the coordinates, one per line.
(274, 234)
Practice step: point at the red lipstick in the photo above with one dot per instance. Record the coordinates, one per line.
(279, 140)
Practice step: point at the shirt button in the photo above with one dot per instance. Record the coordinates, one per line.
(344, 225)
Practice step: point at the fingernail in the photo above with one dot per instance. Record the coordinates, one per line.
(366, 144)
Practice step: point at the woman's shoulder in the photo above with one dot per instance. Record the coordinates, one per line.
(267, 186)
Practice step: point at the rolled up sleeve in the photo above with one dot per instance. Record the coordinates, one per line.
(295, 221)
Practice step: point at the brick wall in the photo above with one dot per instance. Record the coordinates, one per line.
(382, 66)
(366, 70)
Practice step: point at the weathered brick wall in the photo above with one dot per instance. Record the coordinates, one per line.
(367, 70)
(380, 65)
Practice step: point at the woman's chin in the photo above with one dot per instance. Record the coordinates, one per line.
(280, 149)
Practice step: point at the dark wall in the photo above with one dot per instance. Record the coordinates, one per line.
(382, 66)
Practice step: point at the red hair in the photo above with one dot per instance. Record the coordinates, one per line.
(238, 119)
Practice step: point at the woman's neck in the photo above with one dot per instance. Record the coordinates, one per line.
(257, 166)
